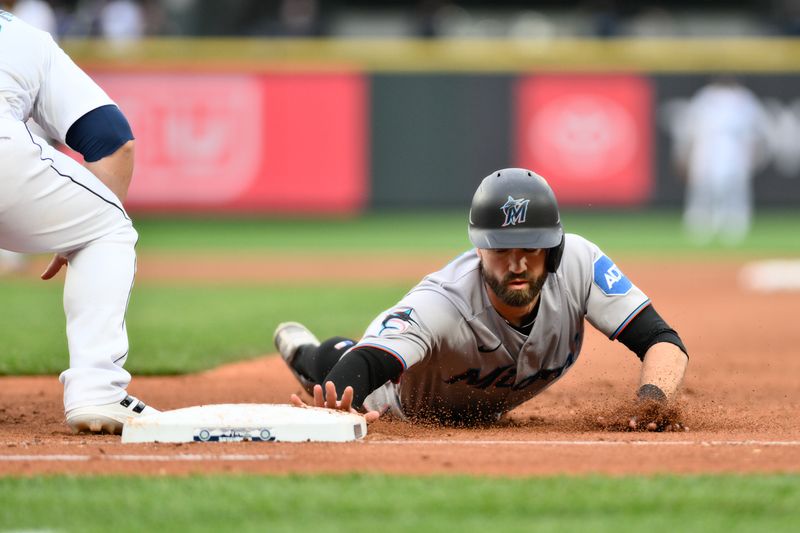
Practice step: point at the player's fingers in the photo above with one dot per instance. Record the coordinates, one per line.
(371, 416)
(55, 265)
(296, 401)
(632, 425)
(318, 401)
(330, 395)
(347, 399)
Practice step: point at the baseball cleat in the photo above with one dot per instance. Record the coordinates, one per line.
(289, 337)
(108, 418)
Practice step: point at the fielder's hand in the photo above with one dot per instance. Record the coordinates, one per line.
(331, 401)
(55, 265)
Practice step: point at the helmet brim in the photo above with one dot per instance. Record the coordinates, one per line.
(516, 237)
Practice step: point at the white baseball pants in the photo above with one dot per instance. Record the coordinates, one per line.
(50, 203)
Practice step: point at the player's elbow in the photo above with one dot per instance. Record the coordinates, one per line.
(126, 151)
(116, 169)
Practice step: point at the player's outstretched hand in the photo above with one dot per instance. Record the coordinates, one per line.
(650, 415)
(55, 265)
(331, 401)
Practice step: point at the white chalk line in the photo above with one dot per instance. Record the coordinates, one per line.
(594, 442)
(269, 457)
(167, 458)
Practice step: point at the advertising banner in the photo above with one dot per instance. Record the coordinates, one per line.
(246, 142)
(435, 136)
(588, 135)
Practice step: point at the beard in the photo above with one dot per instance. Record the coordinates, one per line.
(514, 297)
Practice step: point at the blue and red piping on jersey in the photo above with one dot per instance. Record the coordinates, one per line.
(628, 320)
(383, 349)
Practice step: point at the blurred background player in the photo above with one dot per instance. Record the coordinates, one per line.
(726, 132)
(50, 203)
(122, 20)
(37, 13)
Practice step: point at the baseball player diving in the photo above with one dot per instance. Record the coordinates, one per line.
(493, 328)
(50, 203)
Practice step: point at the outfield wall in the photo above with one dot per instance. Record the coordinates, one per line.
(340, 126)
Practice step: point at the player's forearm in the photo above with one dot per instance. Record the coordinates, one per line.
(115, 170)
(664, 366)
(364, 369)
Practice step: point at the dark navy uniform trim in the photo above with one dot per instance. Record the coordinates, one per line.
(99, 133)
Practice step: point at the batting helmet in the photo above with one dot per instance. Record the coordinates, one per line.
(516, 208)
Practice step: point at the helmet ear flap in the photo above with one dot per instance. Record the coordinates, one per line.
(553, 258)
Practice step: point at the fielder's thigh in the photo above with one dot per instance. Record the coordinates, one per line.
(48, 201)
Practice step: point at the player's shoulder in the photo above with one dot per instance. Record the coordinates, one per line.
(457, 285)
(578, 248)
(580, 254)
(428, 309)
(24, 37)
(460, 272)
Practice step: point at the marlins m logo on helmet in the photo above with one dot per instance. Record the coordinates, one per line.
(515, 211)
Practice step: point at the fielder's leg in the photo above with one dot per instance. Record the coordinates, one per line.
(53, 204)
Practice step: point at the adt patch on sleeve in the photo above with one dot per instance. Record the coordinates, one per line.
(609, 278)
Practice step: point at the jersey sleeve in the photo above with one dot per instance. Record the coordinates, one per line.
(414, 328)
(66, 93)
(612, 300)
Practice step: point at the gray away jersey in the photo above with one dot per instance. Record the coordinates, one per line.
(461, 358)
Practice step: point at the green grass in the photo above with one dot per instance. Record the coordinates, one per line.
(390, 232)
(660, 233)
(185, 328)
(356, 503)
(180, 329)
(648, 232)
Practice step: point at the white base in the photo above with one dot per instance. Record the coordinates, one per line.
(245, 422)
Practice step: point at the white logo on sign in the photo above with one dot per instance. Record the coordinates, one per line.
(199, 136)
(591, 136)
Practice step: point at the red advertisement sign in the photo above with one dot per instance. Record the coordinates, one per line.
(589, 136)
(261, 142)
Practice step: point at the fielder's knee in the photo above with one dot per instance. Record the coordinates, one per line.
(123, 233)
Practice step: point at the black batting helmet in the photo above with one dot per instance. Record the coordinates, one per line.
(516, 208)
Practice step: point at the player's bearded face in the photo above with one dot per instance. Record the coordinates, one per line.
(515, 297)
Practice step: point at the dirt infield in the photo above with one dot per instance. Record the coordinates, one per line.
(741, 399)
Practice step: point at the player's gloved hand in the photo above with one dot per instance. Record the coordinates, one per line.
(55, 265)
(652, 412)
(331, 401)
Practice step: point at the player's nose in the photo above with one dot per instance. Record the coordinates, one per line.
(517, 262)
